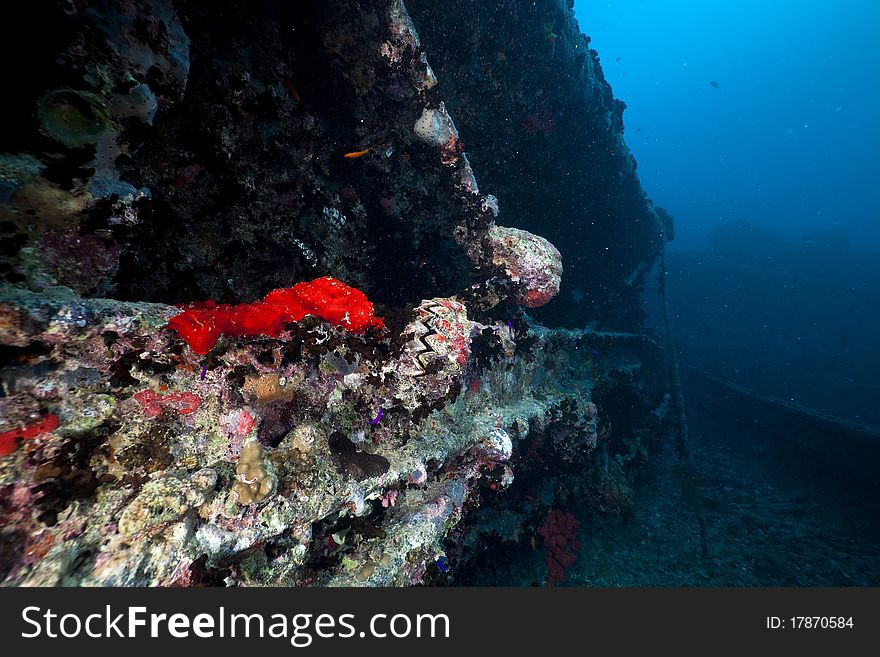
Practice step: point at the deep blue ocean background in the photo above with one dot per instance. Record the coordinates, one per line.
(756, 125)
(787, 140)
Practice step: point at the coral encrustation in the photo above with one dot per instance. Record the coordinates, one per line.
(201, 324)
(559, 532)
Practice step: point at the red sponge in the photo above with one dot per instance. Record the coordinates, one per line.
(559, 532)
(46, 424)
(201, 324)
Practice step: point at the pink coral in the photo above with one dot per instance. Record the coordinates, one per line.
(152, 402)
(389, 499)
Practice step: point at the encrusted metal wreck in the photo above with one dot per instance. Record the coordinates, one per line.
(176, 152)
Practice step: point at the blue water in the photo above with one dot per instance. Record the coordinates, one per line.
(756, 124)
(790, 137)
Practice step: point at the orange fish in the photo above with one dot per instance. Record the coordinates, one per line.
(534, 542)
(356, 154)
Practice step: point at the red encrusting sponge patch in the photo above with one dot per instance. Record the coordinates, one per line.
(46, 424)
(201, 324)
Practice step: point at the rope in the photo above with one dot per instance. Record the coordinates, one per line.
(687, 479)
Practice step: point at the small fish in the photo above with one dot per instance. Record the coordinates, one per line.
(204, 371)
(714, 84)
(617, 60)
(844, 341)
(356, 154)
(443, 565)
(637, 131)
(534, 542)
(376, 419)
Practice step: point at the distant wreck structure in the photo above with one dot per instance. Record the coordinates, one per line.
(490, 391)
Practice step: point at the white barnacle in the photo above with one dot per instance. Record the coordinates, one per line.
(334, 217)
(307, 252)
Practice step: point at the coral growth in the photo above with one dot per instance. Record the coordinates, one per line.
(528, 261)
(152, 402)
(255, 480)
(75, 118)
(559, 532)
(319, 444)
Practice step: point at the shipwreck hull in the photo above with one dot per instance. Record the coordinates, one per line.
(173, 153)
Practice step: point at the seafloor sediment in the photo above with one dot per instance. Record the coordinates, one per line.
(170, 153)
